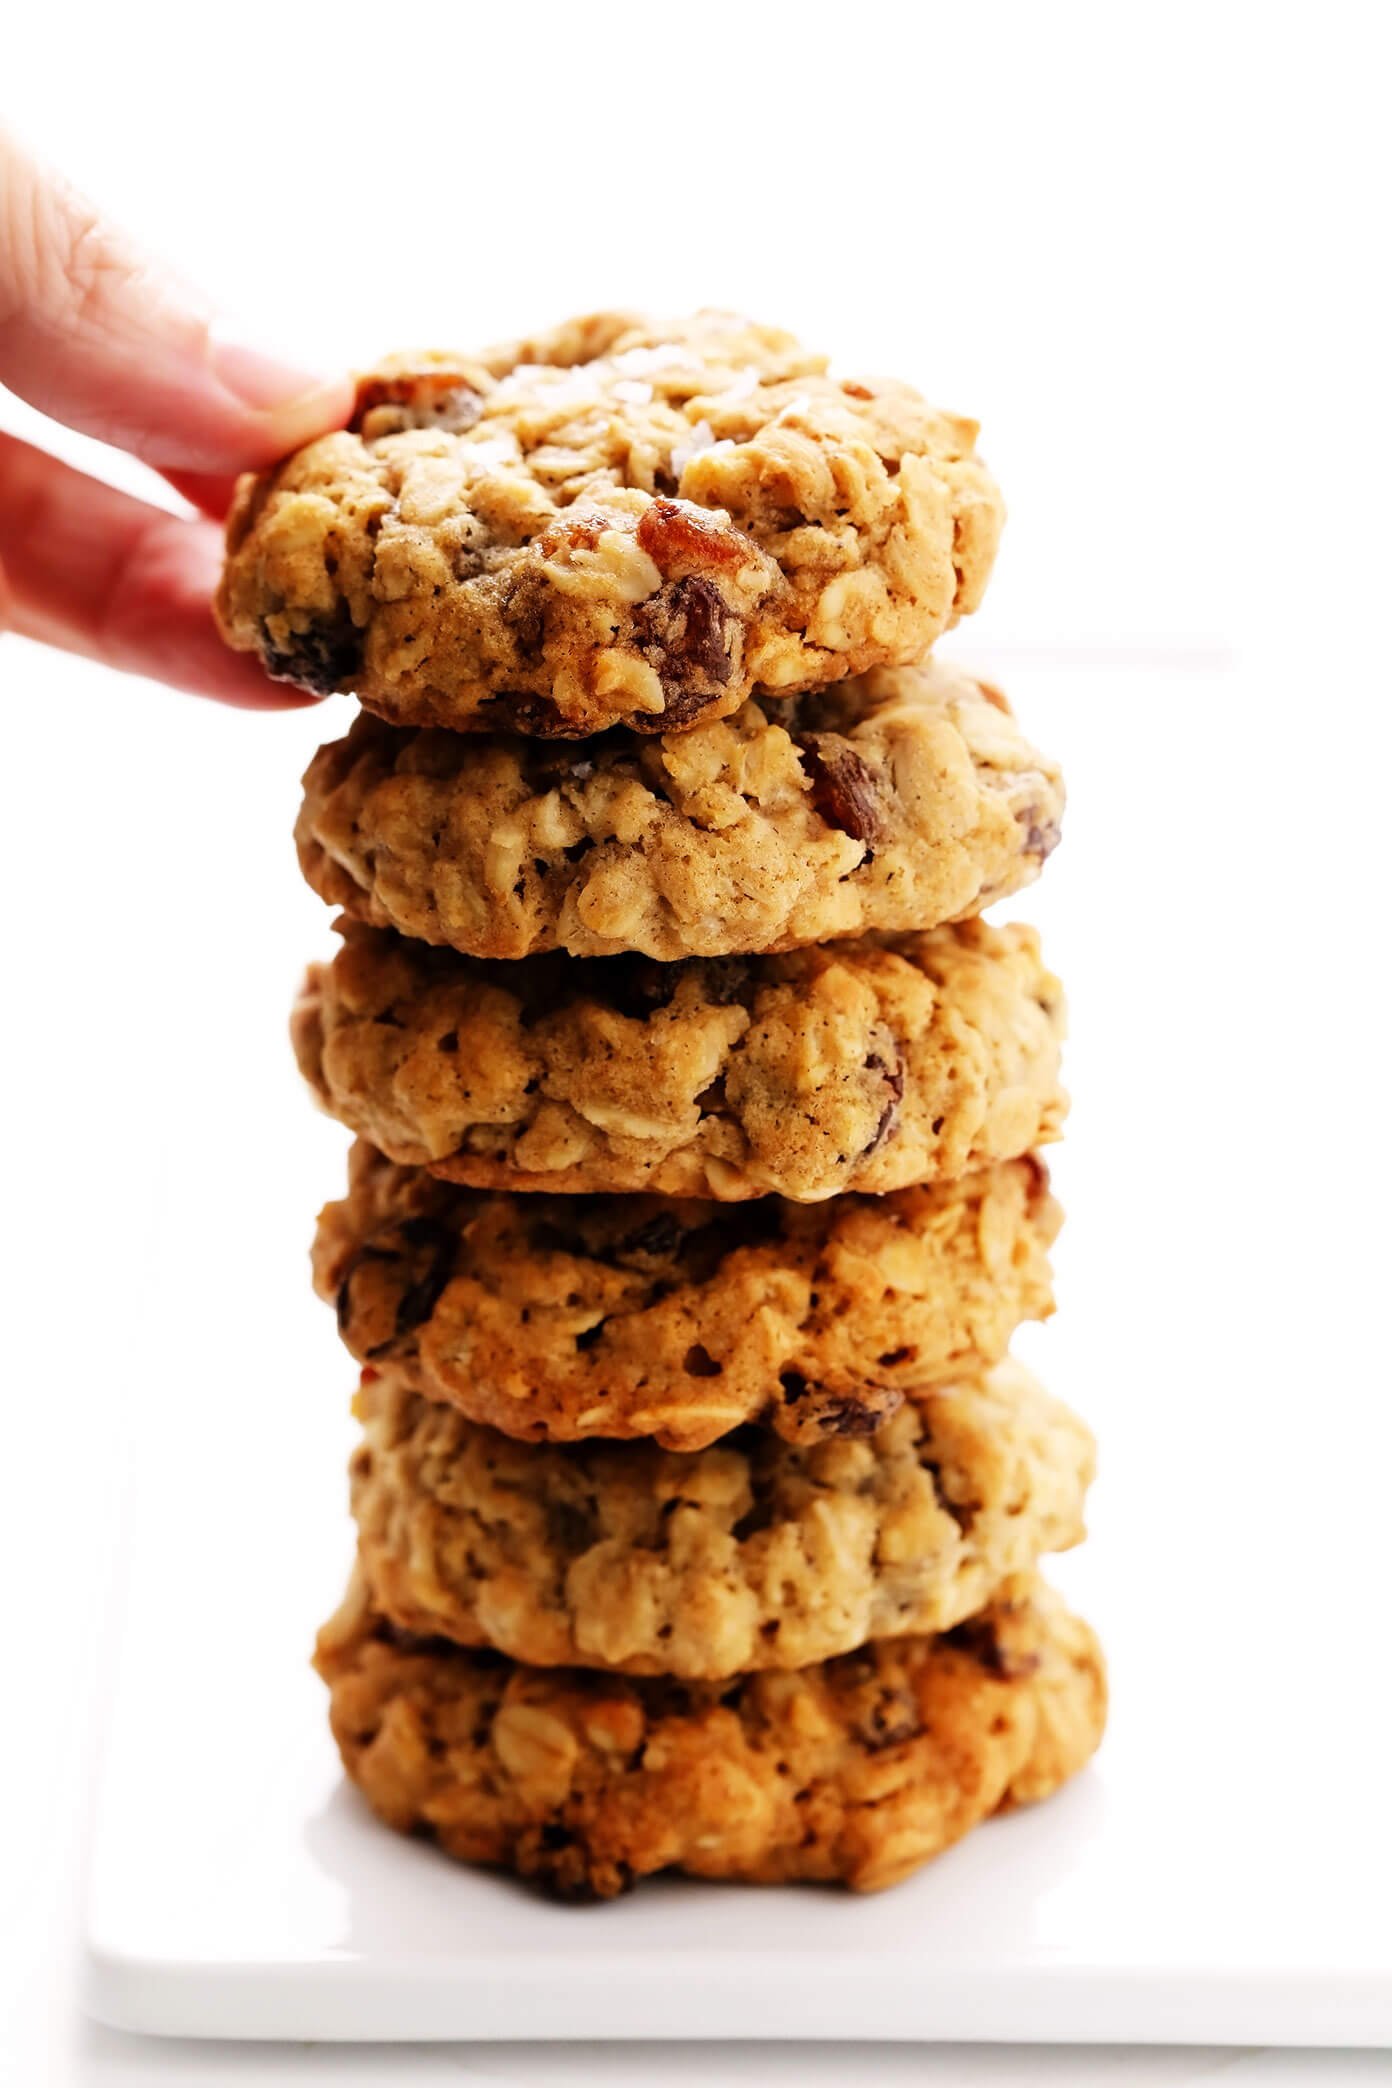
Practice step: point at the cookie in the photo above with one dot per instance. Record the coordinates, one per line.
(852, 1066)
(565, 1318)
(859, 1769)
(899, 800)
(620, 523)
(751, 1554)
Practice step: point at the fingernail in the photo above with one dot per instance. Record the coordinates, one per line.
(263, 381)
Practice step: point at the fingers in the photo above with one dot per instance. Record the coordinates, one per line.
(92, 333)
(89, 569)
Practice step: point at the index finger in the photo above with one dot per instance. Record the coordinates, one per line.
(95, 334)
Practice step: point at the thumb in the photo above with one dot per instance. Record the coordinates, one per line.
(95, 334)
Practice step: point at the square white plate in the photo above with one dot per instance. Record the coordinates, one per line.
(240, 1890)
(1220, 1875)
(1189, 1887)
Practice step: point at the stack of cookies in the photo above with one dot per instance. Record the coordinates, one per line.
(696, 1194)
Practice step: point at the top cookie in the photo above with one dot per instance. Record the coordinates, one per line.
(615, 523)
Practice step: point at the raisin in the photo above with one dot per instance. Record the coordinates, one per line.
(889, 1115)
(658, 1240)
(822, 1415)
(320, 659)
(890, 1719)
(431, 1265)
(844, 790)
(981, 1640)
(683, 631)
(523, 607)
(852, 1417)
(1041, 836)
(706, 618)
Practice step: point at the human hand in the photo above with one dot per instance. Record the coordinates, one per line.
(96, 335)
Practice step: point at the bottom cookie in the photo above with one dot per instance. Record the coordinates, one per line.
(855, 1770)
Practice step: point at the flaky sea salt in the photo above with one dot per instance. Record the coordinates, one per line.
(702, 437)
(489, 453)
(645, 362)
(531, 383)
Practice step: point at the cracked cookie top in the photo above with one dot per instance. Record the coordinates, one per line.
(897, 800)
(619, 522)
(852, 1066)
(565, 1318)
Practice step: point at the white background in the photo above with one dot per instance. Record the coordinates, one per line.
(1148, 250)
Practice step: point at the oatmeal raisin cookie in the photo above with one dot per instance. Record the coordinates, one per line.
(898, 800)
(617, 523)
(751, 1554)
(563, 1318)
(853, 1066)
(856, 1770)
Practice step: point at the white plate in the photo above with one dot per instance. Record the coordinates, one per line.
(240, 1890)
(1219, 1876)
(1184, 1889)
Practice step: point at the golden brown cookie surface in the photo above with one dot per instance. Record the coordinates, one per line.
(568, 1318)
(897, 801)
(863, 1066)
(619, 522)
(752, 1554)
(858, 1770)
